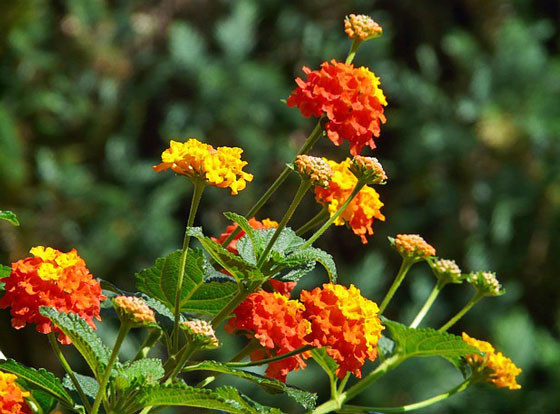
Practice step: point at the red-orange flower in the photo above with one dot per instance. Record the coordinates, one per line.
(350, 98)
(364, 208)
(345, 322)
(54, 279)
(279, 326)
(12, 396)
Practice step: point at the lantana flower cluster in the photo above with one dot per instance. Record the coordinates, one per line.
(331, 316)
(12, 397)
(54, 279)
(349, 97)
(364, 208)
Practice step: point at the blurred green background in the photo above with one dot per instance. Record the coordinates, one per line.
(92, 91)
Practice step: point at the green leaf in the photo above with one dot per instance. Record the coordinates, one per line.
(427, 342)
(243, 223)
(225, 399)
(235, 265)
(246, 250)
(89, 385)
(147, 370)
(40, 379)
(293, 274)
(5, 271)
(46, 401)
(325, 361)
(306, 399)
(197, 294)
(313, 254)
(83, 338)
(9, 217)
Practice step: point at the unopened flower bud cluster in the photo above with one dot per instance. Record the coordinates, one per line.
(361, 27)
(486, 283)
(446, 269)
(134, 309)
(202, 330)
(368, 169)
(315, 169)
(413, 246)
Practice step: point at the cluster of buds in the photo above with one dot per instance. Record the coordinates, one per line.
(368, 170)
(446, 270)
(361, 27)
(201, 333)
(412, 246)
(133, 310)
(314, 169)
(486, 283)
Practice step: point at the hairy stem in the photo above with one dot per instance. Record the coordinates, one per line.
(123, 331)
(302, 189)
(314, 222)
(195, 201)
(353, 49)
(58, 352)
(460, 314)
(405, 266)
(429, 302)
(324, 227)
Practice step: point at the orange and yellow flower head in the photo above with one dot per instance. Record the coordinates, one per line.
(349, 97)
(54, 279)
(361, 27)
(12, 396)
(221, 167)
(497, 369)
(364, 208)
(346, 323)
(413, 246)
(279, 326)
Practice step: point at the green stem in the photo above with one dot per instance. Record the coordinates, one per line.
(311, 140)
(324, 227)
(383, 368)
(429, 302)
(304, 185)
(58, 352)
(151, 339)
(314, 222)
(189, 350)
(199, 187)
(405, 266)
(410, 407)
(146, 410)
(269, 360)
(353, 49)
(460, 314)
(123, 331)
(343, 383)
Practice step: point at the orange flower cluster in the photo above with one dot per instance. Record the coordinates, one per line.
(279, 326)
(350, 98)
(361, 27)
(11, 396)
(54, 279)
(134, 309)
(346, 323)
(282, 287)
(363, 209)
(500, 370)
(220, 167)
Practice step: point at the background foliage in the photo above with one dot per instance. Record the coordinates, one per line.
(92, 91)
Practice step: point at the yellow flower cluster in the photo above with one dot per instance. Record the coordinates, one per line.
(501, 371)
(54, 262)
(221, 167)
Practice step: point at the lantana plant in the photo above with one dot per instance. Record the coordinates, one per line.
(244, 279)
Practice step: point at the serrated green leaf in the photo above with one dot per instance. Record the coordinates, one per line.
(83, 338)
(197, 294)
(243, 223)
(313, 254)
(426, 342)
(9, 217)
(225, 399)
(246, 250)
(38, 379)
(293, 274)
(306, 399)
(325, 361)
(147, 370)
(235, 265)
(5, 271)
(89, 385)
(46, 401)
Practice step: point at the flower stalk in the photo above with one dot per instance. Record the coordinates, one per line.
(405, 267)
(199, 187)
(314, 222)
(428, 304)
(473, 301)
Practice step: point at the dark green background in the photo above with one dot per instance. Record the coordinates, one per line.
(92, 91)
